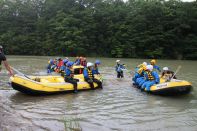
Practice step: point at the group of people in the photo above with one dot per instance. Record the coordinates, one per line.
(59, 64)
(65, 67)
(147, 75)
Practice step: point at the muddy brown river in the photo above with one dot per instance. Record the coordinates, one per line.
(118, 106)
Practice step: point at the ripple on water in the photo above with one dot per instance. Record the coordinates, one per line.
(118, 106)
(49, 125)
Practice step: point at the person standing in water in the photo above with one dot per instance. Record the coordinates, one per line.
(119, 69)
(95, 70)
(4, 60)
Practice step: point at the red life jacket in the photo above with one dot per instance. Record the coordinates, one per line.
(83, 63)
(60, 63)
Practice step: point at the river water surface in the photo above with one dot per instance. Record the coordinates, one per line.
(118, 106)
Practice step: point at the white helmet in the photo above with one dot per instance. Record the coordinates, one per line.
(117, 61)
(144, 63)
(165, 69)
(89, 64)
(149, 67)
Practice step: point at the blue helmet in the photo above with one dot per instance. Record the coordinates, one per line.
(97, 62)
(70, 63)
(51, 61)
(65, 61)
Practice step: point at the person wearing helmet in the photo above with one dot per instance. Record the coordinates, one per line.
(54, 65)
(63, 67)
(89, 76)
(84, 62)
(59, 64)
(142, 68)
(95, 68)
(4, 60)
(155, 67)
(167, 74)
(69, 76)
(140, 78)
(119, 70)
(65, 61)
(50, 64)
(142, 65)
(77, 61)
(139, 72)
(152, 77)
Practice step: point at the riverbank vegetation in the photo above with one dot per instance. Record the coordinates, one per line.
(110, 28)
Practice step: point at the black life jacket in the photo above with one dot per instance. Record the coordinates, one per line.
(150, 76)
(90, 73)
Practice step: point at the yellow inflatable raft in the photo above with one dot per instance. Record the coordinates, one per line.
(173, 87)
(42, 85)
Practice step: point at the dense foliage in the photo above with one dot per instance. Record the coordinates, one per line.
(112, 28)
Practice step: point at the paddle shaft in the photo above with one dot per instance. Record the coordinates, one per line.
(179, 67)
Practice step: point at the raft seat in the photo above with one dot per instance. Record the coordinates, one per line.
(44, 81)
(59, 80)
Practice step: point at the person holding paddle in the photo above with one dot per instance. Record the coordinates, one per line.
(4, 60)
(167, 74)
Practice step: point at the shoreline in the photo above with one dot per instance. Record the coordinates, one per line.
(99, 57)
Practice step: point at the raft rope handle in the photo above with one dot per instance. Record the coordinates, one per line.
(18, 72)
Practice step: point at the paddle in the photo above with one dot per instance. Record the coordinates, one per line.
(177, 70)
(18, 72)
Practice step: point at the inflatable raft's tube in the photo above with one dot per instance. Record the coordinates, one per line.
(43, 85)
(174, 87)
(176, 90)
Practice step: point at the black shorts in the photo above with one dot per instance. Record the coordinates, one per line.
(120, 74)
(2, 58)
